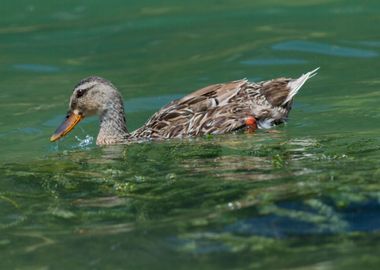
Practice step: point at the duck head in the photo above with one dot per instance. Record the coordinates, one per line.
(91, 96)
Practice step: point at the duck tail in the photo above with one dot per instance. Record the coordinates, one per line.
(295, 85)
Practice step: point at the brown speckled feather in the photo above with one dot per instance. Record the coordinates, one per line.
(210, 110)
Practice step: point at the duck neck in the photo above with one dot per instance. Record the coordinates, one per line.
(113, 126)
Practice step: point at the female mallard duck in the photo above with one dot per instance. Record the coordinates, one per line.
(215, 109)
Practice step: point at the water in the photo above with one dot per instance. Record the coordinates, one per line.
(305, 197)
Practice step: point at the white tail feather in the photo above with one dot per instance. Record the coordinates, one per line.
(295, 85)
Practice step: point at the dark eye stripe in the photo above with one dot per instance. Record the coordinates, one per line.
(81, 92)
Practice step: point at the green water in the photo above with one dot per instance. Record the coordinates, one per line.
(305, 197)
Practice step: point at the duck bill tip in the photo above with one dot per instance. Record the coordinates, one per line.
(54, 138)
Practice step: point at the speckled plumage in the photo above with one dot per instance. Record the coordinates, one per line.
(215, 109)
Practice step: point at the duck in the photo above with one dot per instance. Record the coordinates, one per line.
(215, 109)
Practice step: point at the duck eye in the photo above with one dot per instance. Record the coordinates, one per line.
(80, 92)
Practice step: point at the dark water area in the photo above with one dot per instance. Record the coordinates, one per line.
(306, 196)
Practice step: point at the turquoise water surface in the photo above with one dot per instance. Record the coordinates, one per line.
(304, 197)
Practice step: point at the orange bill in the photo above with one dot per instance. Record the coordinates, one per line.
(70, 122)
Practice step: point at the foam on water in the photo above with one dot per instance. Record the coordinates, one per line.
(84, 143)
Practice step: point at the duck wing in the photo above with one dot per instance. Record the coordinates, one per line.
(215, 109)
(214, 95)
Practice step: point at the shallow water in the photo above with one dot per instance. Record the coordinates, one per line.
(304, 197)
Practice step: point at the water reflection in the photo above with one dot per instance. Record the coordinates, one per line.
(234, 193)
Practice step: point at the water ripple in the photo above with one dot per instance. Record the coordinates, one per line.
(149, 103)
(274, 61)
(323, 48)
(37, 68)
